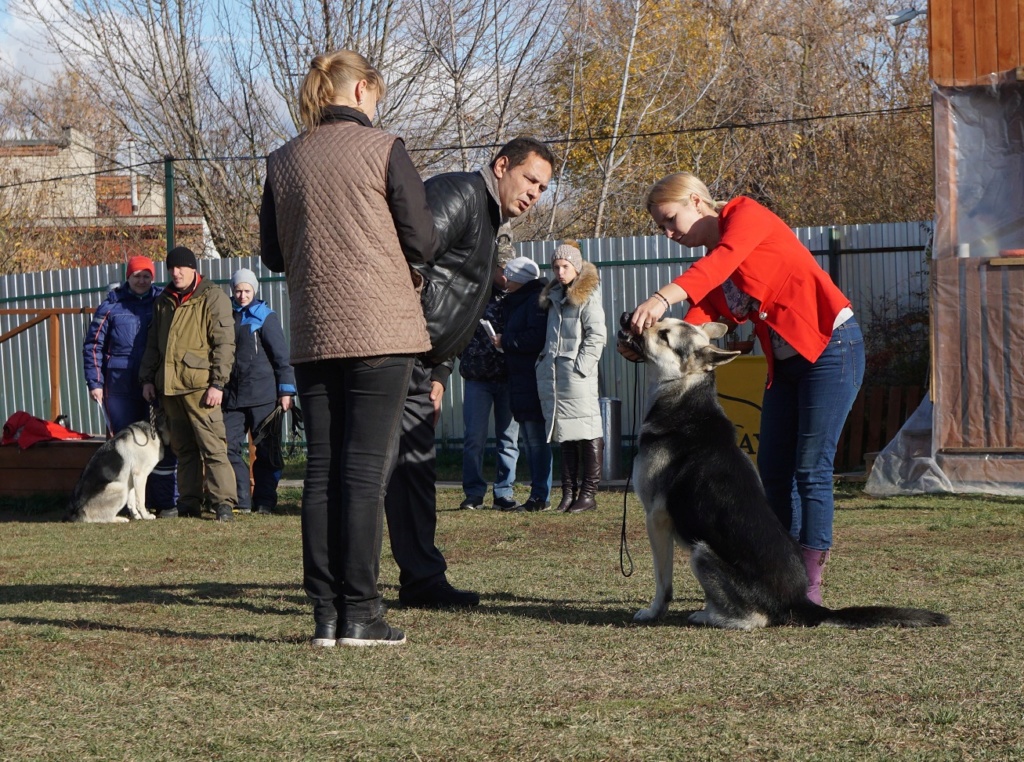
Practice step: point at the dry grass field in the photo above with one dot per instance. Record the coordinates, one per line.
(185, 639)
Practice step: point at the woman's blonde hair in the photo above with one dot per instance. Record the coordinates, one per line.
(677, 188)
(327, 77)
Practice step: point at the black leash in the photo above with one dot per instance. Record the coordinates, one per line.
(623, 544)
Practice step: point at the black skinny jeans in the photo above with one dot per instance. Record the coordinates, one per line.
(352, 409)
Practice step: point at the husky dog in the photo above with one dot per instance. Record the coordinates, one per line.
(699, 489)
(116, 476)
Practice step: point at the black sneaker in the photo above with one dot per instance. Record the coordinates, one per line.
(376, 632)
(263, 510)
(534, 504)
(325, 634)
(224, 513)
(190, 513)
(505, 504)
(168, 513)
(471, 504)
(440, 595)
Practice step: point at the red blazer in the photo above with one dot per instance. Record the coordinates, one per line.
(764, 258)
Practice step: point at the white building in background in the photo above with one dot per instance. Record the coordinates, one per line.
(58, 179)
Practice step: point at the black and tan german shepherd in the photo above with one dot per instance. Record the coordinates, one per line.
(700, 490)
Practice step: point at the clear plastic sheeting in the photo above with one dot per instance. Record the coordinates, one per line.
(906, 465)
(979, 147)
(976, 438)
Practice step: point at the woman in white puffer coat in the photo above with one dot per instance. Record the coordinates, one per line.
(567, 374)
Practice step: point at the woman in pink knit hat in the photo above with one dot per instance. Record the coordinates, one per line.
(567, 374)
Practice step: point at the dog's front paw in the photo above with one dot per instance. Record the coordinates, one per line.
(651, 614)
(146, 515)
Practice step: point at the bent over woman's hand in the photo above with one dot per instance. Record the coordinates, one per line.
(650, 312)
(647, 314)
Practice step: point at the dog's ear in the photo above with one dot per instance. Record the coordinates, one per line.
(711, 356)
(715, 330)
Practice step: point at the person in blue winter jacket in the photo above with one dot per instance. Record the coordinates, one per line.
(262, 379)
(112, 353)
(525, 326)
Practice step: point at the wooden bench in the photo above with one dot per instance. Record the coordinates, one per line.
(46, 467)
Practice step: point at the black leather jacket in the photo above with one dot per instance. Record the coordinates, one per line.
(456, 287)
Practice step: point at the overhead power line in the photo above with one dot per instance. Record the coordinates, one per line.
(551, 141)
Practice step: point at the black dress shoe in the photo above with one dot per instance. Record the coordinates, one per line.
(325, 634)
(505, 504)
(534, 504)
(471, 504)
(376, 632)
(440, 595)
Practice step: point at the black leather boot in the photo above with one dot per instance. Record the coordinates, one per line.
(593, 451)
(570, 474)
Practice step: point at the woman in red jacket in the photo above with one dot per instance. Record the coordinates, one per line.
(756, 269)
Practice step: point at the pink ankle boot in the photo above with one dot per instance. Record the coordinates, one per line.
(814, 563)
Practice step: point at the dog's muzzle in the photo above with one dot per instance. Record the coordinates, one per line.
(626, 341)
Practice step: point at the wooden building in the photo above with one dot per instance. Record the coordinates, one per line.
(977, 72)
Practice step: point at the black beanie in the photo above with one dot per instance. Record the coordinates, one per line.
(182, 256)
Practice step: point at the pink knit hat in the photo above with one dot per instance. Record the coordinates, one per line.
(569, 250)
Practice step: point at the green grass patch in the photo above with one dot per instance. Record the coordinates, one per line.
(186, 639)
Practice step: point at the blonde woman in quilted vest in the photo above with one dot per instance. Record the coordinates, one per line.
(344, 214)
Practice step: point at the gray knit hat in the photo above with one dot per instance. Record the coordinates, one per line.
(522, 270)
(570, 252)
(245, 275)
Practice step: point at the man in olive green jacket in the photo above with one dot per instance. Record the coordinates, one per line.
(190, 349)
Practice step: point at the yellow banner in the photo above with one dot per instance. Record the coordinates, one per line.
(740, 389)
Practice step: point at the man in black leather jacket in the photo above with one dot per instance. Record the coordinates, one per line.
(471, 213)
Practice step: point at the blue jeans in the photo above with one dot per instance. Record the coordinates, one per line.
(479, 398)
(538, 455)
(802, 418)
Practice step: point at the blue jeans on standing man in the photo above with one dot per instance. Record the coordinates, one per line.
(538, 455)
(802, 418)
(478, 400)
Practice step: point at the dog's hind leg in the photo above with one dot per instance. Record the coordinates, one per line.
(726, 601)
(661, 534)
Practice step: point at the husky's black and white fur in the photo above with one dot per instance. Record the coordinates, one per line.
(699, 489)
(116, 476)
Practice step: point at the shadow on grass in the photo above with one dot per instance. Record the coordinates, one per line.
(162, 632)
(594, 613)
(222, 595)
(213, 594)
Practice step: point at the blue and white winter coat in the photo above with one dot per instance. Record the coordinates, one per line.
(262, 370)
(116, 340)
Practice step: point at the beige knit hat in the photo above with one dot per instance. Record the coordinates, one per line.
(569, 250)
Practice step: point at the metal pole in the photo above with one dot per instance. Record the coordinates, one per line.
(834, 247)
(169, 198)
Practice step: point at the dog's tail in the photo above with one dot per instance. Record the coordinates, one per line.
(862, 617)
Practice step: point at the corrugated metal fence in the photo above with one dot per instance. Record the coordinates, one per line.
(882, 268)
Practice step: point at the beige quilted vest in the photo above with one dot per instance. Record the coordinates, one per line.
(350, 288)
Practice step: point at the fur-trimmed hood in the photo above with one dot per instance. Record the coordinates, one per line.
(578, 291)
